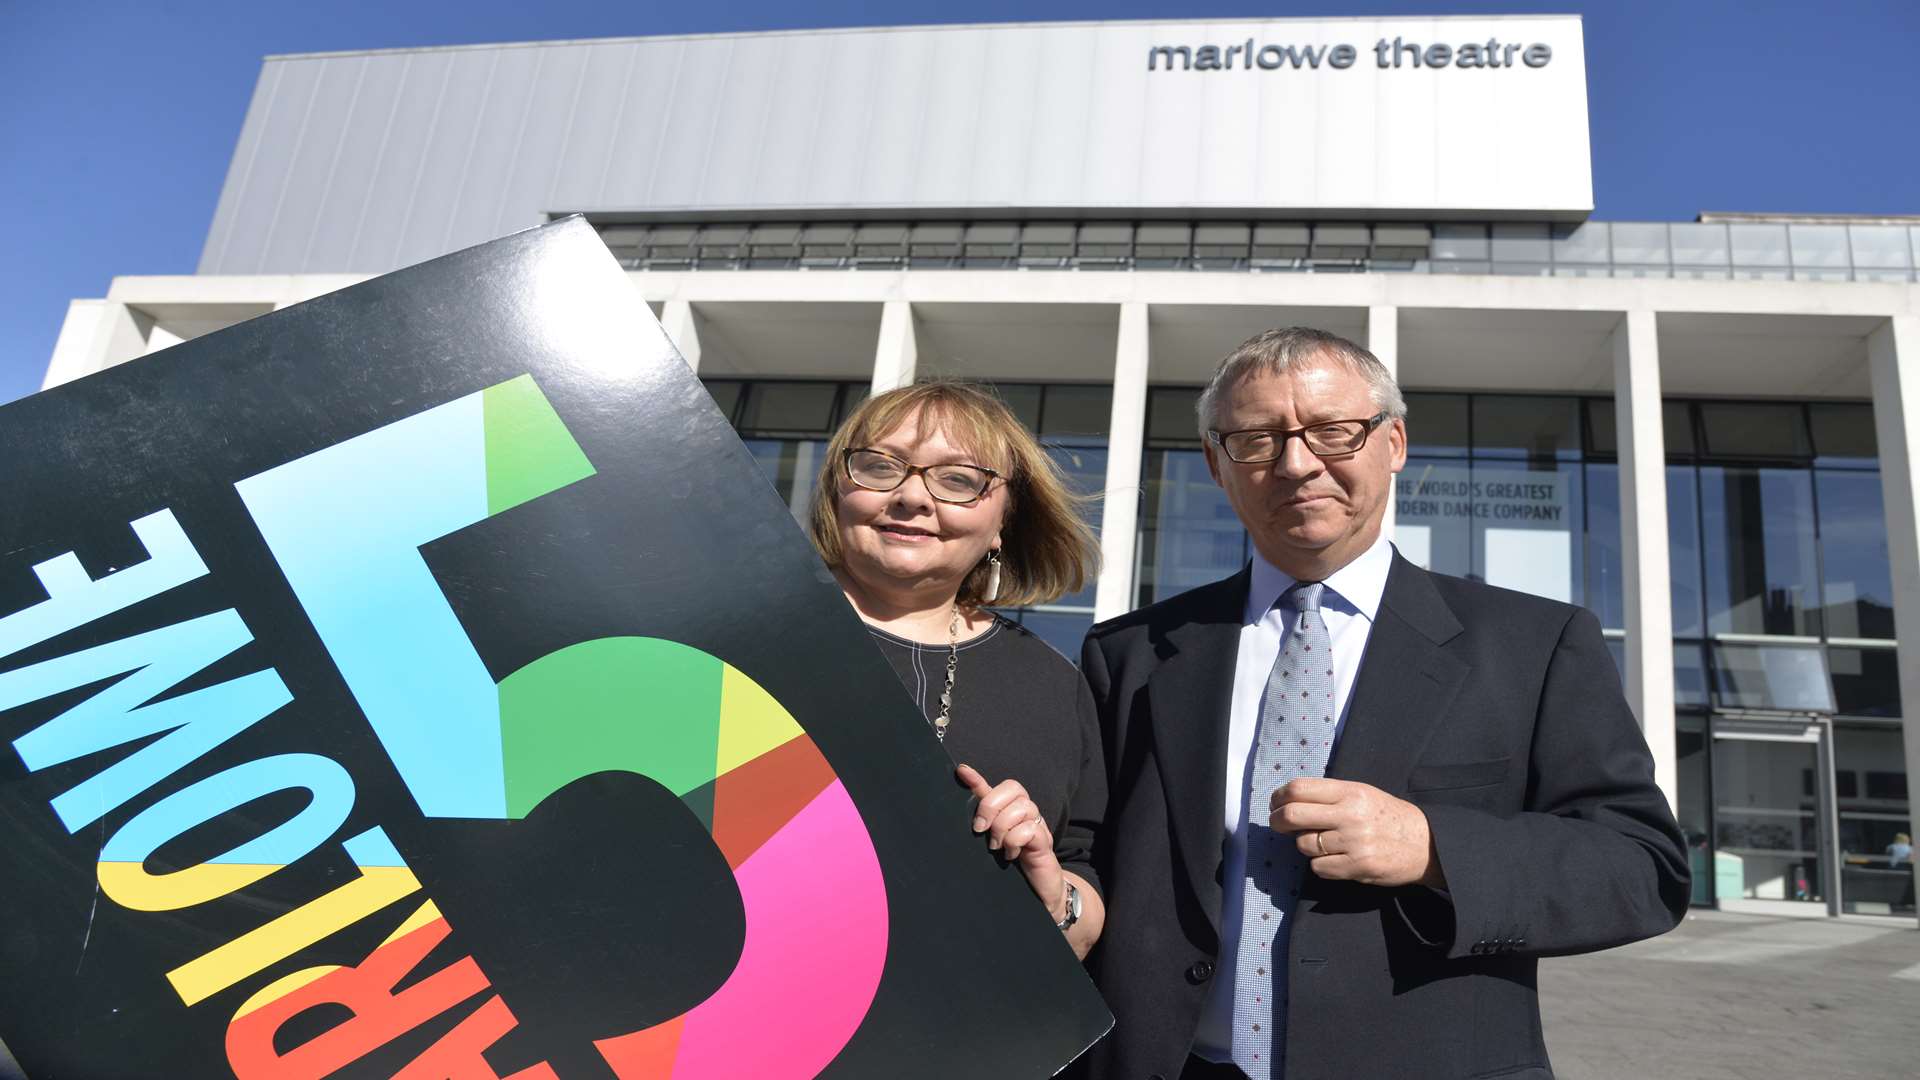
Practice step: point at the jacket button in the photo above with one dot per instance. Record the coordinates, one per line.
(1199, 971)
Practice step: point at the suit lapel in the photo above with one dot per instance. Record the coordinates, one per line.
(1191, 693)
(1405, 684)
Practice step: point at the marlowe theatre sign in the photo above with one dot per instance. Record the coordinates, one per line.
(1493, 53)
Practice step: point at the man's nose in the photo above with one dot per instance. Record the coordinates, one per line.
(1295, 460)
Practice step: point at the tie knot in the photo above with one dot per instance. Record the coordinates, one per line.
(1304, 596)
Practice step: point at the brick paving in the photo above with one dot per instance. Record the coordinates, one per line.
(1733, 997)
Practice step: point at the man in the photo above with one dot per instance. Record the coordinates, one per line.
(1352, 801)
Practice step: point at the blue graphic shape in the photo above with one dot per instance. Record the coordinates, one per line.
(346, 524)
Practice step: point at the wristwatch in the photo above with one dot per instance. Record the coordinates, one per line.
(1074, 907)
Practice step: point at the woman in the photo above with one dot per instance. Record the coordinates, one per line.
(932, 503)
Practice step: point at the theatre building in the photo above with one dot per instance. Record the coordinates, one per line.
(1702, 430)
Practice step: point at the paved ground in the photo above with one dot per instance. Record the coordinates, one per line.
(1733, 997)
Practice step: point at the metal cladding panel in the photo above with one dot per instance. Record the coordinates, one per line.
(365, 162)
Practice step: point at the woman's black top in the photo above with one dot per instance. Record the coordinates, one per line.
(1021, 711)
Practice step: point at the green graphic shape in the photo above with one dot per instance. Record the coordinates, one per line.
(645, 705)
(529, 450)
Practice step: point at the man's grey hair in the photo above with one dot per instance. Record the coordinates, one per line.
(1276, 351)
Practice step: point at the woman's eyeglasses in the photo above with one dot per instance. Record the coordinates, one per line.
(955, 483)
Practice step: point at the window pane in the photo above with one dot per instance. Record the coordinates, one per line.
(1683, 548)
(1690, 754)
(1605, 593)
(1437, 424)
(1853, 550)
(1076, 411)
(1521, 242)
(1601, 436)
(1085, 467)
(1677, 417)
(1538, 427)
(1879, 246)
(1432, 513)
(1844, 434)
(1640, 243)
(1699, 245)
(1876, 821)
(793, 465)
(726, 395)
(1524, 524)
(1459, 242)
(1583, 244)
(1741, 429)
(1866, 682)
(1170, 413)
(851, 395)
(1785, 677)
(1188, 533)
(1024, 401)
(1690, 687)
(1757, 532)
(789, 407)
(1822, 246)
(1759, 245)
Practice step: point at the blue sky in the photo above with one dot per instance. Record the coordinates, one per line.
(117, 118)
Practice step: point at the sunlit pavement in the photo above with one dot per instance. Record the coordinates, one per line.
(1735, 996)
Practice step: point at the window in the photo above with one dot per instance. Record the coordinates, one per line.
(1757, 536)
(785, 426)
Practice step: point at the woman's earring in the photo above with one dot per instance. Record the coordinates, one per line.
(993, 576)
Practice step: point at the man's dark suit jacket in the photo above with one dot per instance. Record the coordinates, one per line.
(1500, 715)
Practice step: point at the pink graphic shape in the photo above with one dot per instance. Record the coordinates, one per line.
(816, 942)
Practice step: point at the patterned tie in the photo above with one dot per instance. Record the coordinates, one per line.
(1295, 739)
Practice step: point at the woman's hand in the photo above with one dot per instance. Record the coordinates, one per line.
(1015, 828)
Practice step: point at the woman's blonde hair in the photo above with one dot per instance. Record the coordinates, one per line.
(1047, 549)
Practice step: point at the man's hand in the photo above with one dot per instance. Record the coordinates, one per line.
(1356, 832)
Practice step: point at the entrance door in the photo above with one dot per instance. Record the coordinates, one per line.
(1774, 816)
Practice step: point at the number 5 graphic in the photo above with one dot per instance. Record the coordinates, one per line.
(346, 524)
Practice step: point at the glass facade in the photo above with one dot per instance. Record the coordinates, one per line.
(1862, 251)
(1783, 605)
(785, 425)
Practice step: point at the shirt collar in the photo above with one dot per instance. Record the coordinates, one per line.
(1356, 587)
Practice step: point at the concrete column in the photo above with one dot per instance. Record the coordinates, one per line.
(676, 318)
(898, 350)
(1641, 437)
(96, 335)
(1383, 341)
(1126, 442)
(1893, 354)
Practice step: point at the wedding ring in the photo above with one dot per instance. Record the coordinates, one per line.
(1320, 838)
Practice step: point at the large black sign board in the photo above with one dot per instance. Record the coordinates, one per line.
(423, 682)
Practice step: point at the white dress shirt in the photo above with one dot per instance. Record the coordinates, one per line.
(1348, 607)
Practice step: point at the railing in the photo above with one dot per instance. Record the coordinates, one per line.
(1761, 250)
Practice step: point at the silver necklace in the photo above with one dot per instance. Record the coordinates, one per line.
(953, 661)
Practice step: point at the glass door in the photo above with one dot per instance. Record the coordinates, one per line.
(1773, 816)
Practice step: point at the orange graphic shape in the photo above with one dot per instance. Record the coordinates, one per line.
(754, 801)
(646, 1054)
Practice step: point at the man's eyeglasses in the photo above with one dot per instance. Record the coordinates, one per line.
(954, 483)
(1335, 438)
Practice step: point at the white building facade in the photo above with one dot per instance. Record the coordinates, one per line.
(1701, 430)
